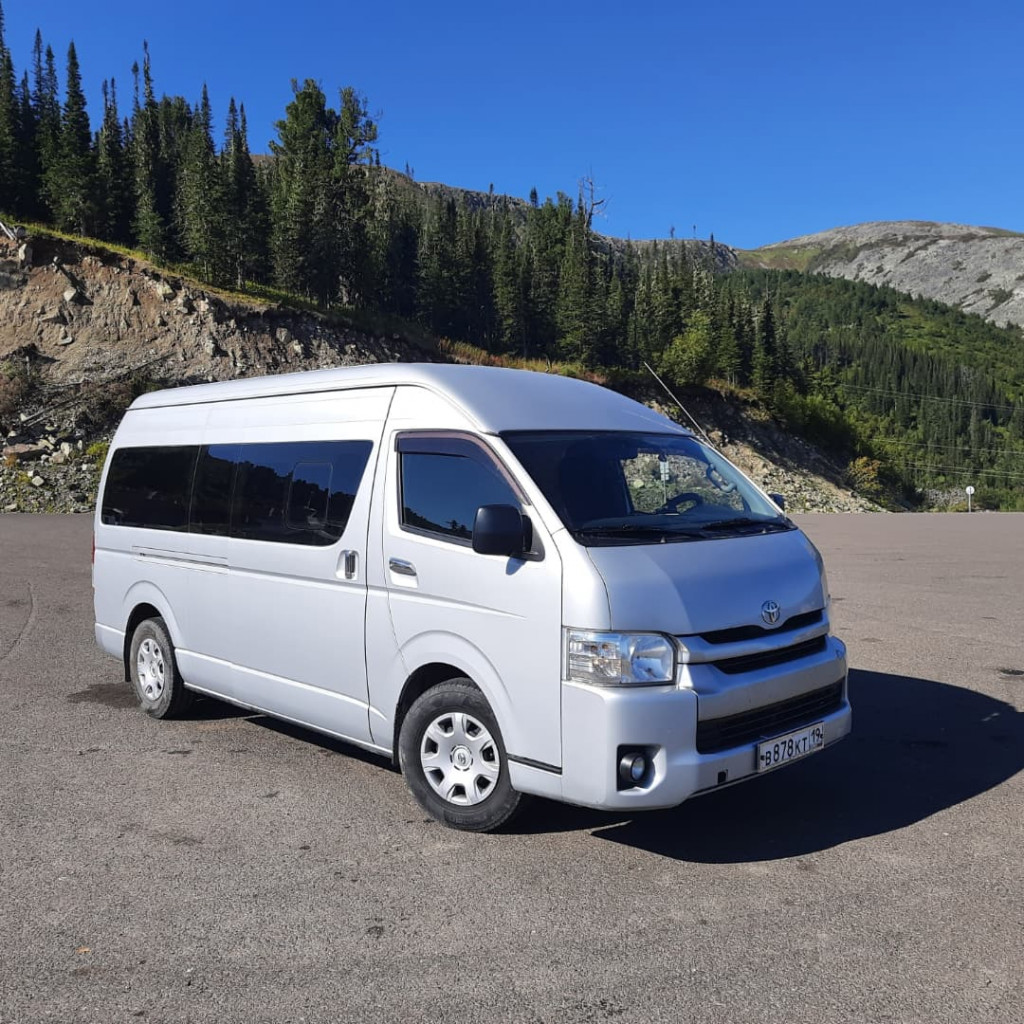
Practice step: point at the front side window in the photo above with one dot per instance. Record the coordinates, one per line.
(638, 488)
(442, 489)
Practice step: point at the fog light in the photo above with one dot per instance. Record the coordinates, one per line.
(632, 768)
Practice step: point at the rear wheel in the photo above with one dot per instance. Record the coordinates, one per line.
(453, 758)
(154, 671)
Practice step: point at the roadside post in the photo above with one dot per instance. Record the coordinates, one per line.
(970, 491)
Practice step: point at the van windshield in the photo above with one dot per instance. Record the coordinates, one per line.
(639, 488)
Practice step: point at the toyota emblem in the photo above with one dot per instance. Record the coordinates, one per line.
(770, 612)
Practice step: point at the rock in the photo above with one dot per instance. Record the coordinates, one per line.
(65, 448)
(71, 294)
(56, 317)
(212, 349)
(25, 255)
(283, 335)
(65, 339)
(165, 291)
(38, 481)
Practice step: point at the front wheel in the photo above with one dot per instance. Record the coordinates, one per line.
(154, 671)
(453, 758)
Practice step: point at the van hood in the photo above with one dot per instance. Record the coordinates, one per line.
(699, 586)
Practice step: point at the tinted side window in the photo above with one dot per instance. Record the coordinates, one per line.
(149, 487)
(296, 492)
(213, 490)
(441, 493)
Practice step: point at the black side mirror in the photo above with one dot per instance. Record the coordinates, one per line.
(501, 530)
(778, 499)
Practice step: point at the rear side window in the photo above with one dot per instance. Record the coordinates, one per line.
(290, 492)
(296, 492)
(149, 487)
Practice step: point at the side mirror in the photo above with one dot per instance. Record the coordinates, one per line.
(778, 499)
(501, 530)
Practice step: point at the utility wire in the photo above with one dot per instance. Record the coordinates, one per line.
(926, 398)
(967, 450)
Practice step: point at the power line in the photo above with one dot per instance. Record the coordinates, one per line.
(926, 398)
(963, 470)
(966, 449)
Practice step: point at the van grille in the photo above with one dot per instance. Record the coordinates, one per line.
(715, 734)
(765, 659)
(738, 633)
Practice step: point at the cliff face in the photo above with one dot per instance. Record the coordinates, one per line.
(82, 332)
(78, 317)
(981, 270)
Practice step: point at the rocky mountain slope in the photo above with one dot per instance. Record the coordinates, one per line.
(84, 330)
(981, 270)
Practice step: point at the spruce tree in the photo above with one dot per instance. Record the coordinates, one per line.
(245, 221)
(11, 185)
(201, 198)
(149, 226)
(113, 172)
(72, 179)
(46, 110)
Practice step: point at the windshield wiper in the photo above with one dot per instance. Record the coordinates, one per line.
(744, 522)
(638, 530)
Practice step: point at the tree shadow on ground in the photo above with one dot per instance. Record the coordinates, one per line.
(917, 747)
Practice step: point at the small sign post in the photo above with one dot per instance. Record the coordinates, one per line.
(970, 491)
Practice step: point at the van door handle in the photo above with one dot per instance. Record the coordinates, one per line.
(400, 566)
(348, 562)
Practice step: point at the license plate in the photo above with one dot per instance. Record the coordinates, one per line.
(790, 746)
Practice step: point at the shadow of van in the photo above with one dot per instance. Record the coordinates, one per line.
(917, 747)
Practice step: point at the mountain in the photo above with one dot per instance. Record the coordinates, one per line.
(84, 329)
(978, 269)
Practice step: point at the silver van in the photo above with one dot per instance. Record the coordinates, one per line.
(511, 583)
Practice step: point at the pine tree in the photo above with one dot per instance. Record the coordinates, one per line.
(149, 227)
(72, 179)
(765, 370)
(304, 242)
(11, 185)
(201, 198)
(113, 172)
(46, 111)
(245, 222)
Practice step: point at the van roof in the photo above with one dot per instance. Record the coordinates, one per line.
(496, 399)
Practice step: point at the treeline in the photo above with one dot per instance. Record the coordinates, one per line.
(904, 390)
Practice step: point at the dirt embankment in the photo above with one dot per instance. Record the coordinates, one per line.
(83, 331)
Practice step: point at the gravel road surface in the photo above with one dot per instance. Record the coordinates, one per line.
(228, 868)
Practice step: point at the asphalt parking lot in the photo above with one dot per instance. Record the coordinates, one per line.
(229, 868)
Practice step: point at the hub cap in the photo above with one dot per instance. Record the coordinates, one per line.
(150, 667)
(460, 758)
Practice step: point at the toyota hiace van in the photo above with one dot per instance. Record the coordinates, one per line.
(510, 582)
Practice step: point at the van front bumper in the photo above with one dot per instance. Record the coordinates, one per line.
(599, 722)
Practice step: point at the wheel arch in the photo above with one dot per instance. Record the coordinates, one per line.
(145, 602)
(425, 678)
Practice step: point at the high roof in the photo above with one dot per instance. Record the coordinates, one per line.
(495, 399)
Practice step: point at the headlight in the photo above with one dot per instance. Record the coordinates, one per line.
(619, 659)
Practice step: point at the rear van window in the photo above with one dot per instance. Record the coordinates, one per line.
(150, 487)
(290, 492)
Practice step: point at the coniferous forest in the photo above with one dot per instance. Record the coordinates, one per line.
(910, 393)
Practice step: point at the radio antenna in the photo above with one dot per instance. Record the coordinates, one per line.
(668, 391)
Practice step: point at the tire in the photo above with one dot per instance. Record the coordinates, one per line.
(453, 758)
(154, 672)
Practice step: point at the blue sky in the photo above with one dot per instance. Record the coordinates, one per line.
(755, 122)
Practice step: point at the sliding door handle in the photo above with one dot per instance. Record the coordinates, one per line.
(401, 567)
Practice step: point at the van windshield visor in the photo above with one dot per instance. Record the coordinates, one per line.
(638, 488)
